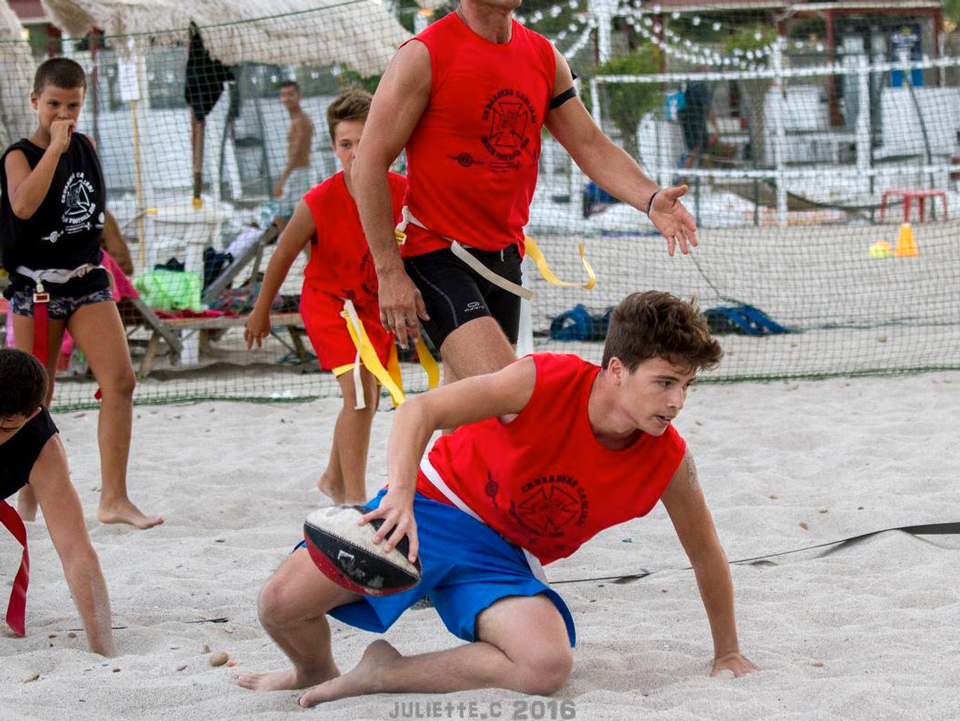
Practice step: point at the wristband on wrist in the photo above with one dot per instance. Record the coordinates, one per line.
(650, 202)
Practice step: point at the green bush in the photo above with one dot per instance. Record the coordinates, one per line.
(753, 37)
(750, 37)
(626, 103)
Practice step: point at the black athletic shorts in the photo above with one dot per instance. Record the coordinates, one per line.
(454, 294)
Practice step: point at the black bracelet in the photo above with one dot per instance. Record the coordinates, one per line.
(650, 202)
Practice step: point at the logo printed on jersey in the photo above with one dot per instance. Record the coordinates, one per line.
(549, 504)
(465, 160)
(512, 117)
(78, 203)
(473, 305)
(492, 489)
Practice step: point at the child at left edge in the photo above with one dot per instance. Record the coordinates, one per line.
(340, 270)
(32, 456)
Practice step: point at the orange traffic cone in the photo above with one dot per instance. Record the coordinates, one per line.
(906, 246)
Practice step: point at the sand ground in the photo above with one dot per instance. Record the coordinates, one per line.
(867, 631)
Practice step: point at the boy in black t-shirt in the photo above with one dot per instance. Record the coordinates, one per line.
(31, 453)
(51, 221)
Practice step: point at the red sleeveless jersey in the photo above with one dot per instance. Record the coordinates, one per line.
(544, 481)
(472, 160)
(340, 260)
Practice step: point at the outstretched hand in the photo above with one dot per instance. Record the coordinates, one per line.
(734, 662)
(673, 220)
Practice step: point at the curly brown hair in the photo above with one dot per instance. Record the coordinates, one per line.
(23, 383)
(655, 324)
(354, 104)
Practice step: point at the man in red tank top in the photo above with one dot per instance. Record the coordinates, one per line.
(467, 99)
(549, 451)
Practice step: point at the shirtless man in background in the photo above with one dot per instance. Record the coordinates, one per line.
(296, 178)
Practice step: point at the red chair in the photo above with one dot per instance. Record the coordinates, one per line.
(908, 197)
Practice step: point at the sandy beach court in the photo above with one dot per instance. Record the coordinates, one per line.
(866, 631)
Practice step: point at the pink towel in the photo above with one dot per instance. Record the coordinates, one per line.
(122, 287)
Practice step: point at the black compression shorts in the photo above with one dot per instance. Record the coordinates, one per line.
(454, 294)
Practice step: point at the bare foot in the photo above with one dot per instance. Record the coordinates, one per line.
(363, 679)
(27, 504)
(332, 487)
(283, 680)
(125, 512)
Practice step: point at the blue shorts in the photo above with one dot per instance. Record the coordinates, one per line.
(467, 566)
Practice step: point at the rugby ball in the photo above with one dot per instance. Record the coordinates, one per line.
(346, 554)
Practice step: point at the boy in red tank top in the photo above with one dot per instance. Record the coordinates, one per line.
(549, 451)
(338, 275)
(466, 99)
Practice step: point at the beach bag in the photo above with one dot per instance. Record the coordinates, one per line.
(578, 324)
(574, 324)
(742, 320)
(214, 264)
(169, 290)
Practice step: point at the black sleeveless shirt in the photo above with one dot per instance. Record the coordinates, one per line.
(66, 229)
(21, 451)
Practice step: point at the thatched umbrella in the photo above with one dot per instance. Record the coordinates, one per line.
(16, 82)
(361, 35)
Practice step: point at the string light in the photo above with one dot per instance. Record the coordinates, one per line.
(662, 37)
(582, 40)
(677, 46)
(554, 12)
(670, 43)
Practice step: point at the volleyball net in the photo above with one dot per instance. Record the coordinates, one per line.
(822, 172)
